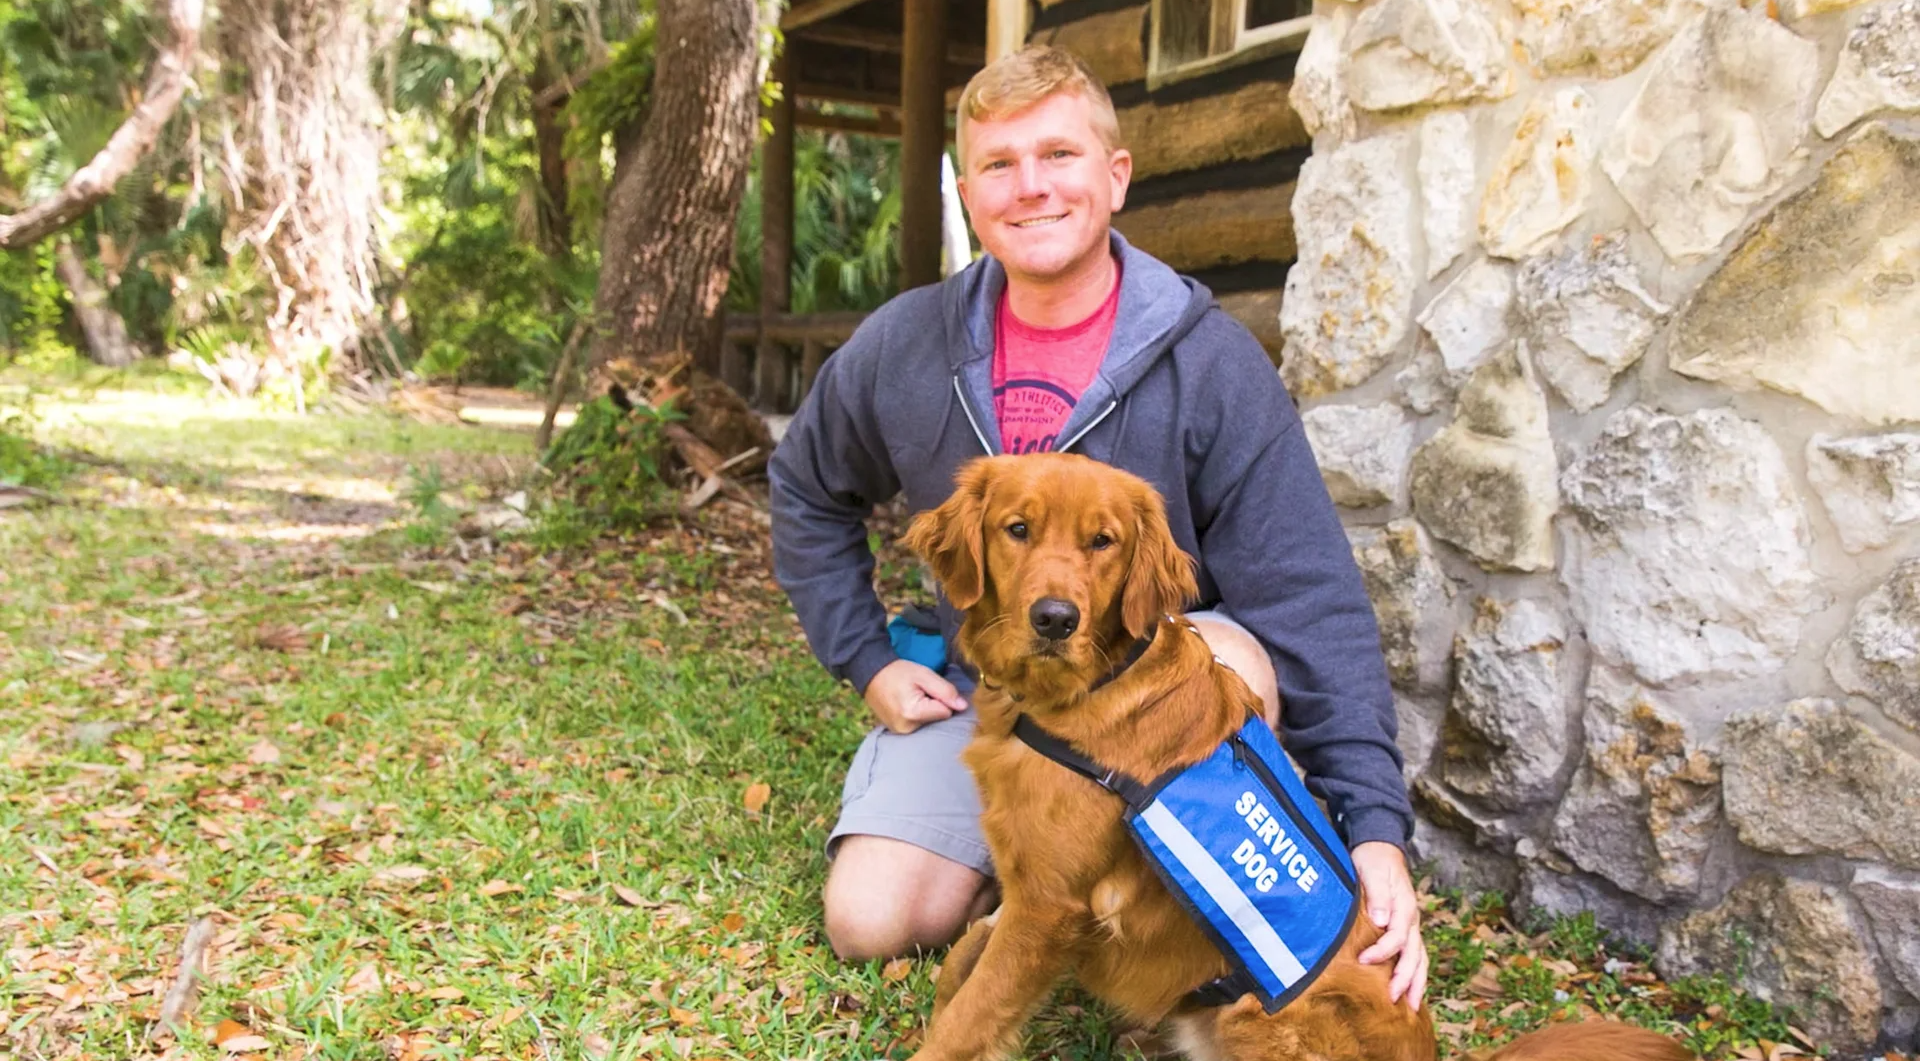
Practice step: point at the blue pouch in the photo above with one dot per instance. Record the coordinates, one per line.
(1242, 845)
(915, 634)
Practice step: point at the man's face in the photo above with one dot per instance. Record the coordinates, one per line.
(1041, 188)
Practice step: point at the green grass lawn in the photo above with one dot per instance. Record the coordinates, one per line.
(451, 798)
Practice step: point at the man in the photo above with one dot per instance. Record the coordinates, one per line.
(1065, 337)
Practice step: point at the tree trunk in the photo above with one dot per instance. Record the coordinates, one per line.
(100, 325)
(91, 183)
(668, 234)
(549, 140)
(310, 169)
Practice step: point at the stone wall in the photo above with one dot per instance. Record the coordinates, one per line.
(1606, 325)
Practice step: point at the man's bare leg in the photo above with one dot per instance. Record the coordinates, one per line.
(885, 898)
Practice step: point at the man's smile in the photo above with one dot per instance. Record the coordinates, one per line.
(1036, 222)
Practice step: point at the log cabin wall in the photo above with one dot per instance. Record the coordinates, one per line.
(1216, 146)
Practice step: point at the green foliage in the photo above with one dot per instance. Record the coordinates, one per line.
(424, 494)
(846, 221)
(608, 472)
(24, 461)
(30, 307)
(615, 98)
(485, 305)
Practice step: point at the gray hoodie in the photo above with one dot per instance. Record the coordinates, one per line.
(1187, 400)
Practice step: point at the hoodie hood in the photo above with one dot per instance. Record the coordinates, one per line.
(1158, 307)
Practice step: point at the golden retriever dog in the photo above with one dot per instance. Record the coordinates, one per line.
(1062, 564)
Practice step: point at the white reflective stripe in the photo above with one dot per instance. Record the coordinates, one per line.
(1224, 892)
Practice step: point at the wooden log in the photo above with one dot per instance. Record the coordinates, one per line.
(922, 139)
(1260, 312)
(1248, 122)
(1215, 228)
(1109, 43)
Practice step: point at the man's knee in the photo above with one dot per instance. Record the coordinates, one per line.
(885, 898)
(1239, 650)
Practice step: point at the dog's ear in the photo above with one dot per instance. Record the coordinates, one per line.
(1160, 580)
(952, 538)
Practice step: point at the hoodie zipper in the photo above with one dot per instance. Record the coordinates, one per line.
(967, 407)
(1082, 433)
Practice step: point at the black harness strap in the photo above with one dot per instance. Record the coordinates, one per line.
(1131, 790)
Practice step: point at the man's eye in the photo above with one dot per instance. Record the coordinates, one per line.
(1100, 541)
(1018, 532)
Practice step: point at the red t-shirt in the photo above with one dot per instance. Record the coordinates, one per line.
(1039, 373)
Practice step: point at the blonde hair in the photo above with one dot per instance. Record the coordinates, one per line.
(1012, 83)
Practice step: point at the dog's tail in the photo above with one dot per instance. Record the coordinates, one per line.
(1594, 1040)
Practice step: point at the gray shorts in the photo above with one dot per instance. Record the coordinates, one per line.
(913, 787)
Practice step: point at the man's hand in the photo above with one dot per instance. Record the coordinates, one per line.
(905, 696)
(1392, 906)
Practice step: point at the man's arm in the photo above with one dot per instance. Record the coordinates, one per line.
(1272, 541)
(826, 475)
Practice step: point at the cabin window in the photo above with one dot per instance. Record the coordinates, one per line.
(1199, 34)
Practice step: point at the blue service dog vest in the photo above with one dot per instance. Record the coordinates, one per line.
(1245, 849)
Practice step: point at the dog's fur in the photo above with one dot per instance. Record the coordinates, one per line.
(1078, 897)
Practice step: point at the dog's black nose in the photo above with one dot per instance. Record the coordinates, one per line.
(1053, 618)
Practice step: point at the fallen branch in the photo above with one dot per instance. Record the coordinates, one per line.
(193, 951)
(93, 182)
(557, 390)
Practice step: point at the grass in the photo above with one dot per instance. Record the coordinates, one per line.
(451, 798)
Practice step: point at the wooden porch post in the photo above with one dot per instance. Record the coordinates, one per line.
(923, 122)
(1006, 27)
(776, 238)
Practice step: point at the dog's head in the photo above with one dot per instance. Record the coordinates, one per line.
(1059, 562)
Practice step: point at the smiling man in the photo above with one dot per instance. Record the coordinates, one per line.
(1064, 337)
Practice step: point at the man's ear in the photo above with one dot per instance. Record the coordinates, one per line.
(1160, 580)
(952, 539)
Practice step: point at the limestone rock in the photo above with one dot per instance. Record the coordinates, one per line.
(1808, 779)
(1879, 68)
(1598, 38)
(1446, 187)
(1486, 482)
(1349, 297)
(1506, 729)
(1688, 555)
(1842, 305)
(1412, 598)
(1471, 318)
(1643, 808)
(1870, 485)
(1879, 658)
(1587, 317)
(1541, 182)
(1822, 299)
(1362, 451)
(1424, 385)
(1798, 946)
(1318, 94)
(1570, 894)
(1434, 802)
(1411, 53)
(1714, 128)
(1892, 905)
(1794, 10)
(1417, 736)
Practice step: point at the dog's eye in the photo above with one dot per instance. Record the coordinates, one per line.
(1100, 541)
(1018, 532)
